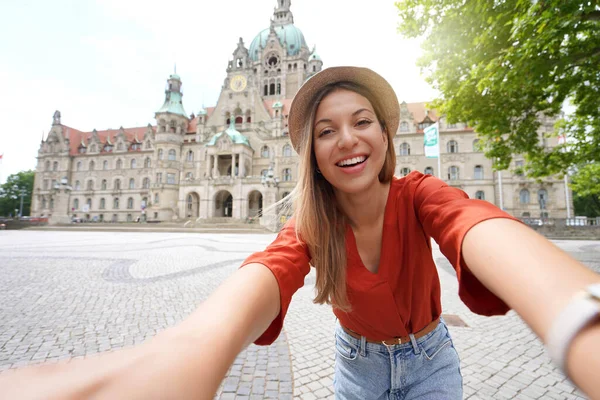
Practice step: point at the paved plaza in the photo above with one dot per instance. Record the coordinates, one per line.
(72, 294)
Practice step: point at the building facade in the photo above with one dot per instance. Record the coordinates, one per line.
(233, 159)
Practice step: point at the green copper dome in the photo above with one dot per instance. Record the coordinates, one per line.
(314, 55)
(173, 104)
(292, 36)
(236, 137)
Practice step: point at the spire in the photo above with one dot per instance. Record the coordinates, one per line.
(173, 103)
(282, 14)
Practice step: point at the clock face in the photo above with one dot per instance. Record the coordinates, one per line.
(238, 83)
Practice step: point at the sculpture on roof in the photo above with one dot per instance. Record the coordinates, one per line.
(56, 118)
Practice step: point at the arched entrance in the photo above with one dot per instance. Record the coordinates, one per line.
(192, 205)
(223, 204)
(255, 204)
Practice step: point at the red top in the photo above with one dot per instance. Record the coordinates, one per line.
(404, 295)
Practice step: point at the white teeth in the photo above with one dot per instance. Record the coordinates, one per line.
(352, 161)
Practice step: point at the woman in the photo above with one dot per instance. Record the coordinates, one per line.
(368, 236)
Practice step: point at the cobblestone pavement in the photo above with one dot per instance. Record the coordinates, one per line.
(73, 294)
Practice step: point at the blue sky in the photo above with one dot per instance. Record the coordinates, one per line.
(103, 64)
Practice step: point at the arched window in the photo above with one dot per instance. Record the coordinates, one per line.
(428, 170)
(90, 185)
(543, 198)
(117, 184)
(404, 126)
(476, 146)
(77, 185)
(287, 150)
(105, 165)
(89, 203)
(43, 202)
(131, 183)
(480, 195)
(452, 146)
(102, 203)
(130, 203)
(92, 165)
(524, 196)
(160, 154)
(103, 184)
(119, 164)
(287, 174)
(453, 173)
(405, 171)
(133, 163)
(147, 163)
(405, 149)
(55, 166)
(190, 156)
(156, 198)
(264, 152)
(78, 166)
(116, 203)
(76, 204)
(239, 120)
(478, 172)
(146, 183)
(172, 155)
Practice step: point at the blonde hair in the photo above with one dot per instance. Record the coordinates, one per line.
(319, 221)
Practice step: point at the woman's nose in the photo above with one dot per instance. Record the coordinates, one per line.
(347, 138)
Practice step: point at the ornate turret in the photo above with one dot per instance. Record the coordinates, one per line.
(173, 97)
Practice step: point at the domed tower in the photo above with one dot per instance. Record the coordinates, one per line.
(279, 55)
(172, 122)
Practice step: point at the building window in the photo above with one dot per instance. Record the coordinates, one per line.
(146, 183)
(116, 203)
(130, 203)
(452, 146)
(476, 146)
(190, 156)
(78, 165)
(55, 166)
(526, 215)
(76, 204)
(102, 203)
(133, 163)
(129, 218)
(428, 170)
(103, 184)
(47, 166)
(108, 148)
(453, 173)
(105, 165)
(46, 184)
(118, 184)
(404, 126)
(147, 163)
(156, 198)
(405, 149)
(160, 154)
(171, 179)
(136, 146)
(120, 147)
(478, 172)
(52, 204)
(189, 176)
(77, 185)
(287, 174)
(264, 152)
(101, 217)
(287, 150)
(542, 198)
(524, 196)
(90, 185)
(115, 218)
(172, 155)
(131, 183)
(405, 171)
(519, 164)
(43, 202)
(54, 184)
(159, 177)
(480, 195)
(119, 164)
(89, 204)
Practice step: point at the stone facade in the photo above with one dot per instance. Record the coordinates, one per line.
(233, 159)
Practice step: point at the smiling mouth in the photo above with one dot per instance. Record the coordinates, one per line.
(351, 162)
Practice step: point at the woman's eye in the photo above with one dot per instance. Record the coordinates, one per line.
(364, 122)
(325, 132)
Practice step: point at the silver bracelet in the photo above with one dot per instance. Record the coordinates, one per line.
(581, 310)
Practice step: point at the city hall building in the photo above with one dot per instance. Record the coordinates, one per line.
(233, 159)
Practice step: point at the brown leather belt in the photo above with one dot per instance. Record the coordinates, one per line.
(398, 340)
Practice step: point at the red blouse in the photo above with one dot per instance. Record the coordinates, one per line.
(404, 295)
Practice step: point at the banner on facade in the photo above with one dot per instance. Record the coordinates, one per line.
(431, 140)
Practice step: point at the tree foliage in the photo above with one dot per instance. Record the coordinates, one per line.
(501, 65)
(10, 193)
(586, 190)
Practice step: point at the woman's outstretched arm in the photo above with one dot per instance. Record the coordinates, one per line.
(537, 280)
(187, 361)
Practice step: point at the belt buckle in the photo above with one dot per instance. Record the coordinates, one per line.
(398, 340)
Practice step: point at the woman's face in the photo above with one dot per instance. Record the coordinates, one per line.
(349, 144)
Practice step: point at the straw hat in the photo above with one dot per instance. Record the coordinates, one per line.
(302, 102)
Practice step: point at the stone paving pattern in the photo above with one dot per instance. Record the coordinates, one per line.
(73, 294)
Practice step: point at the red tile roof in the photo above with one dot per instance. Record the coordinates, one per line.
(76, 137)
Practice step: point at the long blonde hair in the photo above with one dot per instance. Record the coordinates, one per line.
(319, 221)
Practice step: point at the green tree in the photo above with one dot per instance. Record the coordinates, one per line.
(586, 190)
(10, 193)
(502, 64)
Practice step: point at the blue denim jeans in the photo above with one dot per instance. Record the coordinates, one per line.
(426, 368)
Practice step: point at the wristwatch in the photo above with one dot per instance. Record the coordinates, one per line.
(583, 309)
